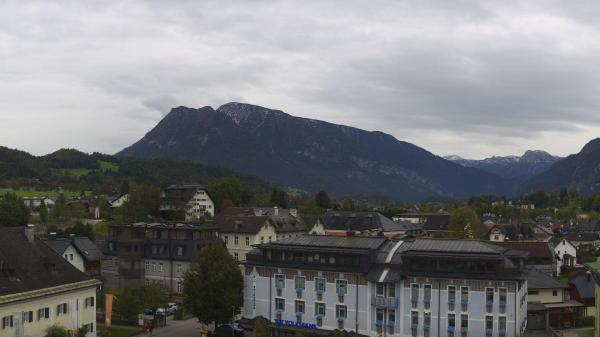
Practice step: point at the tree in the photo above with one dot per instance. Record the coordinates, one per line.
(56, 331)
(225, 192)
(463, 222)
(322, 200)
(260, 328)
(278, 198)
(347, 204)
(144, 202)
(137, 298)
(212, 287)
(13, 211)
(43, 211)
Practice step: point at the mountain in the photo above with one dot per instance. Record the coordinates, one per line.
(520, 168)
(75, 170)
(310, 154)
(579, 171)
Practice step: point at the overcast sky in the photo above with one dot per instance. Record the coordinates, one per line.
(469, 78)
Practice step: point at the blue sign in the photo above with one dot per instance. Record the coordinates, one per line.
(296, 324)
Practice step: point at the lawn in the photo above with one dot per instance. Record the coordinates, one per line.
(119, 330)
(32, 193)
(105, 166)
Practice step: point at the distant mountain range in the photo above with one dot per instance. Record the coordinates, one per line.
(520, 168)
(311, 155)
(579, 171)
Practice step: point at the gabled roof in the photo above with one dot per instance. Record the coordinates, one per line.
(582, 236)
(359, 221)
(536, 249)
(251, 219)
(88, 250)
(538, 280)
(454, 246)
(28, 266)
(59, 245)
(323, 241)
(585, 285)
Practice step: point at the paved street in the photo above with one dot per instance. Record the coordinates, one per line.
(187, 328)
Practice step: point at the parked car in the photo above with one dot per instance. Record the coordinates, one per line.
(225, 330)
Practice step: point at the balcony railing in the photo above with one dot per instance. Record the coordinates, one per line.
(392, 302)
(378, 302)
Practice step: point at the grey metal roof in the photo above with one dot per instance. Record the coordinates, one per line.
(359, 221)
(585, 286)
(538, 280)
(455, 246)
(87, 249)
(354, 242)
(59, 245)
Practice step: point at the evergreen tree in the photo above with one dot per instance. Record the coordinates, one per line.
(13, 211)
(322, 200)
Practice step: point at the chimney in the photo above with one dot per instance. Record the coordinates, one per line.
(275, 210)
(29, 233)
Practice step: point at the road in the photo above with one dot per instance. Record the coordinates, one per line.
(187, 328)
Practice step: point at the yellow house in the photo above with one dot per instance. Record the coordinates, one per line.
(39, 288)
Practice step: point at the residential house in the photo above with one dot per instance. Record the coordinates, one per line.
(118, 201)
(39, 288)
(584, 238)
(549, 303)
(566, 255)
(500, 232)
(192, 199)
(374, 286)
(81, 252)
(153, 252)
(243, 227)
(540, 254)
(583, 289)
(433, 223)
(594, 268)
(367, 223)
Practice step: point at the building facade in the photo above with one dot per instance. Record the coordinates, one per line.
(39, 288)
(373, 286)
(243, 227)
(192, 199)
(153, 252)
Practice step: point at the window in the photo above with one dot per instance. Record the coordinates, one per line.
(320, 285)
(489, 296)
(279, 281)
(391, 290)
(27, 316)
(341, 287)
(153, 266)
(269, 239)
(236, 256)
(464, 295)
(391, 317)
(502, 324)
(262, 239)
(414, 319)
(179, 251)
(62, 309)
(427, 292)
(89, 327)
(530, 292)
(226, 240)
(179, 268)
(236, 241)
(247, 241)
(464, 322)
(502, 295)
(554, 293)
(414, 292)
(319, 309)
(299, 306)
(341, 311)
(280, 304)
(426, 319)
(71, 257)
(489, 324)
(43, 313)
(7, 322)
(379, 290)
(89, 302)
(147, 266)
(160, 267)
(180, 287)
(299, 282)
(451, 294)
(451, 321)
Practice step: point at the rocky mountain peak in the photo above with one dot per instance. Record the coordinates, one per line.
(242, 113)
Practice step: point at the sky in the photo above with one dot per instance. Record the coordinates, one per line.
(470, 78)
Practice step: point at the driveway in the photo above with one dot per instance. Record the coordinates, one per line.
(187, 328)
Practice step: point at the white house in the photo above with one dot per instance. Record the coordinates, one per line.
(566, 255)
(119, 201)
(192, 198)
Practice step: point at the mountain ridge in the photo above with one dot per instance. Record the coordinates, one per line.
(310, 154)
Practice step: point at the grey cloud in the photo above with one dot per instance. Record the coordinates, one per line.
(453, 77)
